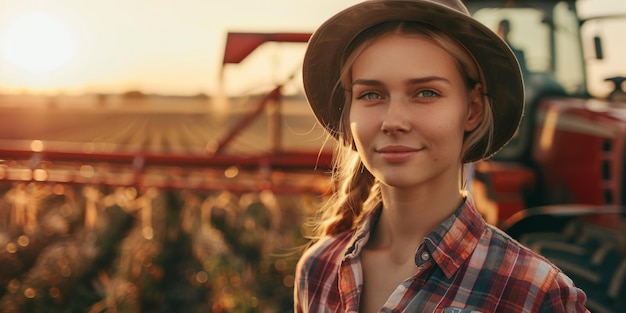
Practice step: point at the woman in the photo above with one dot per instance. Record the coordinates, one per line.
(412, 90)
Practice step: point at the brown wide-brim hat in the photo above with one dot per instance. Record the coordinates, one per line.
(500, 70)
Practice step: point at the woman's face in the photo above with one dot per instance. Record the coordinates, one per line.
(409, 110)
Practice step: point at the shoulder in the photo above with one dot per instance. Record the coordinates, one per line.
(316, 279)
(522, 262)
(529, 274)
(325, 253)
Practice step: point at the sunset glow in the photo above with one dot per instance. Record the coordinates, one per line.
(38, 43)
(176, 48)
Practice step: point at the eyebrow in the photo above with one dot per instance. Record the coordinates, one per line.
(412, 81)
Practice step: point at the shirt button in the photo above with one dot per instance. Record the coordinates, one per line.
(425, 256)
(401, 288)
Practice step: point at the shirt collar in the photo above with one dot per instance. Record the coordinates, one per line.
(453, 242)
(362, 233)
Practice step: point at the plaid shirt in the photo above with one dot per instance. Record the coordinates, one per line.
(464, 265)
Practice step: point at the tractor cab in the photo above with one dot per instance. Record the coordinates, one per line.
(558, 186)
(569, 146)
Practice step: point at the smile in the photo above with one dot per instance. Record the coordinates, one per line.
(398, 153)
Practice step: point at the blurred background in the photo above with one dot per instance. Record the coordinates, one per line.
(143, 170)
(76, 47)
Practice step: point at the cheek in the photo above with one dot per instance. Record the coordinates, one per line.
(359, 123)
(446, 133)
(357, 129)
(363, 128)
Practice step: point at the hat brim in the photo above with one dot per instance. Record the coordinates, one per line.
(500, 68)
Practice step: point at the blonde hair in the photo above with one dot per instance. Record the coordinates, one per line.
(357, 191)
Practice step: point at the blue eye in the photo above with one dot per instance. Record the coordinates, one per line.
(427, 93)
(370, 95)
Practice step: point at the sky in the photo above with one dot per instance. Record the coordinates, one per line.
(161, 46)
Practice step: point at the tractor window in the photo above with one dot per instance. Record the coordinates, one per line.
(613, 48)
(544, 38)
(568, 62)
(525, 32)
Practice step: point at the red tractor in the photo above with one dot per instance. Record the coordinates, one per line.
(559, 186)
(570, 145)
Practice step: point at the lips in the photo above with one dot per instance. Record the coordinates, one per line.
(398, 153)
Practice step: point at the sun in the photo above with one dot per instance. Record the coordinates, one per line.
(37, 42)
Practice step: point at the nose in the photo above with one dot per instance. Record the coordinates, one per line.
(395, 119)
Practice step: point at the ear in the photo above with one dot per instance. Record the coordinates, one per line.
(475, 108)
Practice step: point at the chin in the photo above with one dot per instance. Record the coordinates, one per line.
(401, 182)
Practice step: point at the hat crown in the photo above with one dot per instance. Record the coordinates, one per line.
(456, 5)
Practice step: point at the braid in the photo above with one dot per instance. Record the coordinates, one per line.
(345, 207)
(356, 191)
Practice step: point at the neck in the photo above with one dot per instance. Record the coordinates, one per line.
(410, 214)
